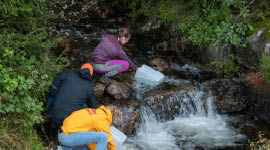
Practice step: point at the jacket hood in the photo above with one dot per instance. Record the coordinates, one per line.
(85, 74)
(107, 112)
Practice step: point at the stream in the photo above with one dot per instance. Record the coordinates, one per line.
(198, 126)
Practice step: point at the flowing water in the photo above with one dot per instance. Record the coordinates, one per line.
(198, 126)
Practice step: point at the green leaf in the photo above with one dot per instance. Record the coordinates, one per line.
(30, 81)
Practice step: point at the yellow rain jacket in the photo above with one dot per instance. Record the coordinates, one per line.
(89, 119)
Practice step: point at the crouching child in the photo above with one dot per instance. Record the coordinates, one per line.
(87, 129)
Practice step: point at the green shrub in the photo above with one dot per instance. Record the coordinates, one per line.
(206, 22)
(26, 64)
(26, 70)
(261, 144)
(228, 68)
(265, 65)
(23, 15)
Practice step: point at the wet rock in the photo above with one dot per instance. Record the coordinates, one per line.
(125, 118)
(260, 36)
(248, 129)
(258, 44)
(164, 104)
(260, 103)
(159, 64)
(213, 53)
(162, 46)
(99, 89)
(101, 9)
(118, 90)
(235, 95)
(152, 24)
(190, 73)
(230, 95)
(64, 45)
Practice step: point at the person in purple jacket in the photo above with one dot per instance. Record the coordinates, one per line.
(109, 57)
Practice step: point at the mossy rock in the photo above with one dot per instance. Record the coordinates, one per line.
(265, 25)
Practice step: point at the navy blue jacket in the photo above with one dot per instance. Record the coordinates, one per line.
(70, 91)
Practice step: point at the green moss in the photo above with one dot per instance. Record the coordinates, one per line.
(261, 25)
(266, 33)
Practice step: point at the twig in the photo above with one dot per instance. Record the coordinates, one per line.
(242, 12)
(42, 128)
(66, 49)
(36, 31)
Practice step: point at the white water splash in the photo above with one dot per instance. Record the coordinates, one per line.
(186, 68)
(204, 129)
(141, 88)
(174, 81)
(151, 135)
(197, 125)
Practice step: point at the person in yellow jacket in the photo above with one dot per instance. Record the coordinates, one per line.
(89, 127)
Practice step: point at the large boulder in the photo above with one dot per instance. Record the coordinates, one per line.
(230, 95)
(259, 98)
(211, 54)
(118, 90)
(258, 45)
(163, 103)
(126, 116)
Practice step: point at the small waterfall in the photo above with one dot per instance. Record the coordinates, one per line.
(202, 127)
(151, 135)
(197, 126)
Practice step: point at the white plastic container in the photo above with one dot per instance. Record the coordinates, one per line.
(146, 74)
(118, 137)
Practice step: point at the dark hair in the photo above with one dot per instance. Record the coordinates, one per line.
(124, 32)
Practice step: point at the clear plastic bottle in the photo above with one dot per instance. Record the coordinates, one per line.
(147, 75)
(118, 137)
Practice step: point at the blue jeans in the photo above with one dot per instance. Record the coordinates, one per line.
(79, 140)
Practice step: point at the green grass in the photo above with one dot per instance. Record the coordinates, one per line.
(18, 138)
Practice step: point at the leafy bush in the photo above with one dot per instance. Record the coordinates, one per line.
(26, 70)
(23, 15)
(228, 68)
(206, 22)
(26, 65)
(211, 23)
(261, 144)
(265, 65)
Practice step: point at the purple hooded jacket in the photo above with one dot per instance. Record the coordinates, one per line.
(108, 49)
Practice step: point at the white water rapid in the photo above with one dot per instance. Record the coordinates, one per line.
(198, 126)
